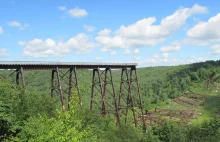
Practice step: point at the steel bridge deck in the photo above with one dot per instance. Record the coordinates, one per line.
(51, 65)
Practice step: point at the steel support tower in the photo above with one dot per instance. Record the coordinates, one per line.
(124, 106)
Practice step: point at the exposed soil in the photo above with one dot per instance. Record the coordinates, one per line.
(181, 116)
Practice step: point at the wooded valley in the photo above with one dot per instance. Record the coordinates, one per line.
(181, 103)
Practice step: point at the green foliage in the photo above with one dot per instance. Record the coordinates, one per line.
(75, 125)
(159, 84)
(64, 127)
(16, 105)
(212, 105)
(208, 131)
(31, 114)
(150, 137)
(8, 123)
(170, 132)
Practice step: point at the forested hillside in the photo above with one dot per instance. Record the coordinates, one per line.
(181, 103)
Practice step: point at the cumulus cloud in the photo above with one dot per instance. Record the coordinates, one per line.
(126, 51)
(1, 30)
(98, 58)
(3, 52)
(191, 41)
(62, 8)
(18, 24)
(74, 12)
(14, 24)
(89, 28)
(136, 51)
(108, 43)
(136, 58)
(21, 43)
(113, 53)
(145, 33)
(204, 32)
(165, 55)
(104, 32)
(43, 48)
(216, 49)
(175, 46)
(77, 12)
(151, 61)
(155, 56)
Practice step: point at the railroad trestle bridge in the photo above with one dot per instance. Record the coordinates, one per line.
(103, 94)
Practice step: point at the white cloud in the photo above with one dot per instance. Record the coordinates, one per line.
(3, 52)
(155, 56)
(165, 55)
(113, 53)
(191, 41)
(62, 8)
(204, 32)
(104, 32)
(18, 24)
(14, 24)
(1, 30)
(21, 43)
(216, 49)
(136, 51)
(136, 58)
(89, 28)
(198, 9)
(43, 48)
(98, 58)
(126, 51)
(104, 49)
(108, 43)
(77, 12)
(169, 61)
(175, 46)
(145, 33)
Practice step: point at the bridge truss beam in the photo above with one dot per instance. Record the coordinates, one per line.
(103, 96)
(65, 91)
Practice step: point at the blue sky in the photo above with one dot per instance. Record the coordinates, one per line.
(151, 33)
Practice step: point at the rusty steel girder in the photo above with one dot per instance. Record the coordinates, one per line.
(126, 105)
(103, 96)
(129, 101)
(69, 80)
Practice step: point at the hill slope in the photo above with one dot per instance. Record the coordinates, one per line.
(181, 94)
